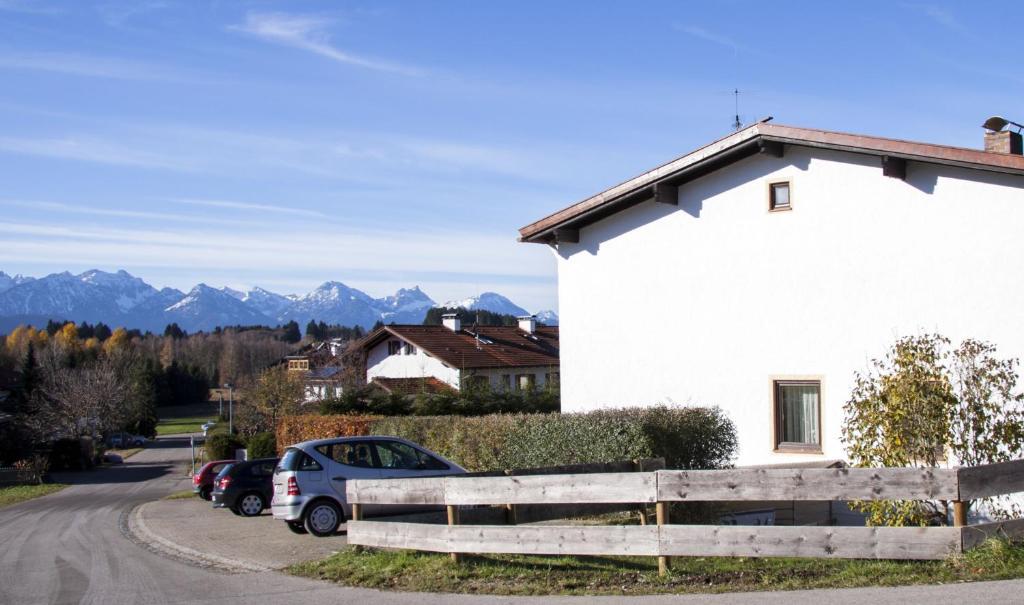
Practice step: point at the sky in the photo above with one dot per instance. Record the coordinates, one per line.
(392, 144)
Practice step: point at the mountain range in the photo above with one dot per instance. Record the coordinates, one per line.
(121, 299)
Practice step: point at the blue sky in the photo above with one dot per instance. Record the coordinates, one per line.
(388, 144)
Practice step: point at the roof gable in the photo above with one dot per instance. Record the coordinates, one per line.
(762, 137)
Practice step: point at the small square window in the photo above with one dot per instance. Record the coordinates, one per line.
(394, 347)
(778, 196)
(798, 415)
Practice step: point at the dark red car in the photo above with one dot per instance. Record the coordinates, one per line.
(202, 481)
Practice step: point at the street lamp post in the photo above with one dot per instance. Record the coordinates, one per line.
(231, 407)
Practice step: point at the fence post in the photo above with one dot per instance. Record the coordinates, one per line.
(453, 519)
(357, 515)
(662, 513)
(960, 513)
(510, 509)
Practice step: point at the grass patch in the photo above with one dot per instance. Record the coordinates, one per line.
(554, 575)
(186, 418)
(20, 493)
(184, 494)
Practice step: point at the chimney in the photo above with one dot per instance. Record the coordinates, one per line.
(451, 321)
(1004, 141)
(528, 323)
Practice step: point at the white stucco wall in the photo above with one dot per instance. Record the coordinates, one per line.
(706, 302)
(419, 365)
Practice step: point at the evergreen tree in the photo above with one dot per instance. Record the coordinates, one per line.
(291, 332)
(174, 331)
(102, 331)
(313, 330)
(28, 379)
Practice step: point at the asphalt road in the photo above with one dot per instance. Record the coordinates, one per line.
(68, 548)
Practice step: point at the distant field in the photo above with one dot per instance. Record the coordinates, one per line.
(185, 418)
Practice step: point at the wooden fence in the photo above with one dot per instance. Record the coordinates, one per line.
(960, 486)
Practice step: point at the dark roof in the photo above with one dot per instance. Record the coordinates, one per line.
(325, 373)
(746, 142)
(496, 347)
(411, 386)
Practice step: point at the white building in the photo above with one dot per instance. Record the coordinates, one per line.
(759, 272)
(410, 359)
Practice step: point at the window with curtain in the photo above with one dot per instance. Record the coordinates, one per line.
(798, 415)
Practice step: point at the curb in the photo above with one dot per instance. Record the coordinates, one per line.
(135, 529)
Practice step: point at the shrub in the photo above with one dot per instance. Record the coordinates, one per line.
(222, 447)
(689, 437)
(72, 454)
(295, 429)
(262, 445)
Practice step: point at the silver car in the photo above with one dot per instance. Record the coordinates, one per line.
(309, 481)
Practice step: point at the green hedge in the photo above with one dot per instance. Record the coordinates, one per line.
(687, 437)
(262, 445)
(223, 446)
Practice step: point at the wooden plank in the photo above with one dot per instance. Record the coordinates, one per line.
(666, 194)
(973, 535)
(978, 482)
(388, 534)
(567, 236)
(828, 542)
(555, 540)
(894, 167)
(426, 490)
(808, 484)
(552, 489)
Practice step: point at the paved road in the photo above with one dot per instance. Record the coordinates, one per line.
(68, 548)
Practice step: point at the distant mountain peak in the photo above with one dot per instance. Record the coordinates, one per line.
(488, 301)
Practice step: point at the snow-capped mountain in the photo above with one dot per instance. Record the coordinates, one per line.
(488, 301)
(8, 281)
(547, 317)
(205, 308)
(90, 296)
(266, 302)
(121, 299)
(334, 303)
(407, 306)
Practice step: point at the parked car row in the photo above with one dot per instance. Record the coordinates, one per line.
(305, 488)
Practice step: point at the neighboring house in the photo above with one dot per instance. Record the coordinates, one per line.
(321, 367)
(411, 359)
(759, 272)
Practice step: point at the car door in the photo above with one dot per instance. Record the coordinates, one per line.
(350, 459)
(400, 460)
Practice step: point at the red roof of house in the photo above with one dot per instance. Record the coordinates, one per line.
(484, 347)
(749, 141)
(411, 386)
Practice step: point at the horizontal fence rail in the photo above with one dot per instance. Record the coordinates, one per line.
(660, 487)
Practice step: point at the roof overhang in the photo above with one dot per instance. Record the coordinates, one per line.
(661, 184)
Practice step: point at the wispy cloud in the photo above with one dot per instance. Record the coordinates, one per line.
(116, 14)
(28, 6)
(91, 150)
(86, 210)
(290, 210)
(941, 15)
(88, 66)
(707, 36)
(309, 33)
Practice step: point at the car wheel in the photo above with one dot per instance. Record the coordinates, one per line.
(251, 504)
(323, 518)
(204, 493)
(235, 510)
(297, 527)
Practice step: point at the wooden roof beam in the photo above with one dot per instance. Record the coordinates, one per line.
(567, 236)
(666, 194)
(775, 149)
(894, 167)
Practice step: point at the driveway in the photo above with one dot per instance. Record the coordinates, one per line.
(69, 548)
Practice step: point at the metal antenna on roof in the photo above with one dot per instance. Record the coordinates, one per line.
(736, 124)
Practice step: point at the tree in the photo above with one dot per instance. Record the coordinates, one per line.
(174, 331)
(291, 332)
(118, 340)
(923, 405)
(276, 394)
(313, 331)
